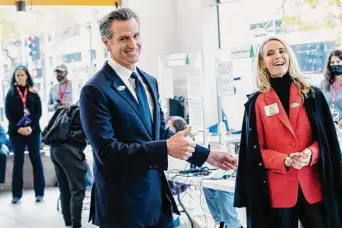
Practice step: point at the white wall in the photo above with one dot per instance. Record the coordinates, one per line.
(178, 26)
(196, 23)
(157, 30)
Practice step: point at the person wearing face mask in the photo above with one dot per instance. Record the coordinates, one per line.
(332, 84)
(289, 159)
(23, 110)
(61, 93)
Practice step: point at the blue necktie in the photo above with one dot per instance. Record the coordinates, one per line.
(142, 99)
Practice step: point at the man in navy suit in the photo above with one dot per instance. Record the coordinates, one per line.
(124, 123)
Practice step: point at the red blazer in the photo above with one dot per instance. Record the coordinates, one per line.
(279, 136)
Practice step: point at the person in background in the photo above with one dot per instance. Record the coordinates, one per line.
(3, 156)
(23, 110)
(69, 161)
(61, 93)
(220, 203)
(331, 85)
(176, 123)
(289, 159)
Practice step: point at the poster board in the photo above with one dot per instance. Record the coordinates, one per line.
(180, 76)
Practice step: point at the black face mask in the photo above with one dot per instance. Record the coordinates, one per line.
(336, 69)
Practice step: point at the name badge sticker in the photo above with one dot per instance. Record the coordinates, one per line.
(294, 105)
(272, 109)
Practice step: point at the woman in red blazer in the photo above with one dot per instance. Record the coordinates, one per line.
(289, 149)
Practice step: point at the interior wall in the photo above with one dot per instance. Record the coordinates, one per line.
(180, 26)
(158, 28)
(196, 29)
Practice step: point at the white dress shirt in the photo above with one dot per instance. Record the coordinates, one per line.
(125, 75)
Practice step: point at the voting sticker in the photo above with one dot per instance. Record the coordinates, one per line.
(294, 105)
(120, 88)
(272, 109)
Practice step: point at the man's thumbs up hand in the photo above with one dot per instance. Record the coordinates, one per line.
(180, 145)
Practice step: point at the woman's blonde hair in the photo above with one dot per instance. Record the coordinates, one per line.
(263, 75)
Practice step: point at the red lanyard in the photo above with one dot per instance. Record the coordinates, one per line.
(61, 94)
(336, 88)
(23, 97)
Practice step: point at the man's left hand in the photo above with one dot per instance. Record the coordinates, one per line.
(222, 160)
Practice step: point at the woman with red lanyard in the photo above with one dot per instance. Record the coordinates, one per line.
(23, 111)
(331, 86)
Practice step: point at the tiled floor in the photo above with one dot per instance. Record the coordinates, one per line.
(29, 214)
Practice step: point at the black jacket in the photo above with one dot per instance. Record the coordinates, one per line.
(251, 190)
(77, 138)
(15, 110)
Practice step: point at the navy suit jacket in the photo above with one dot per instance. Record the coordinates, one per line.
(130, 187)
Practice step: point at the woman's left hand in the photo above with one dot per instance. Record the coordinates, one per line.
(301, 159)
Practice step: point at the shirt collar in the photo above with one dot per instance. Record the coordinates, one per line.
(121, 71)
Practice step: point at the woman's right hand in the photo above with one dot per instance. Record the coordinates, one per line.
(25, 131)
(288, 161)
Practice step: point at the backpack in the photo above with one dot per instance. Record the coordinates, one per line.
(59, 127)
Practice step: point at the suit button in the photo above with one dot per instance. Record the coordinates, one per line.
(255, 146)
(260, 164)
(293, 144)
(264, 182)
(250, 129)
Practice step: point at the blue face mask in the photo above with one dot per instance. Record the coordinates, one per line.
(336, 69)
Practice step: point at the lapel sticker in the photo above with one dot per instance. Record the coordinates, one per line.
(120, 88)
(294, 105)
(271, 109)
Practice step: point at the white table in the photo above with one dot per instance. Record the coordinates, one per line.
(222, 184)
(229, 140)
(232, 138)
(198, 216)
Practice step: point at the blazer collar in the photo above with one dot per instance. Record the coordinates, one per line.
(296, 102)
(120, 70)
(120, 87)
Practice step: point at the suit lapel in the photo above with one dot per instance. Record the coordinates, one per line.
(120, 87)
(296, 101)
(153, 92)
(271, 98)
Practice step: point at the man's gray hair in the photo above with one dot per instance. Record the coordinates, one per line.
(122, 14)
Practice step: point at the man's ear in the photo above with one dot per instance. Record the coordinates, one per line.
(105, 42)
